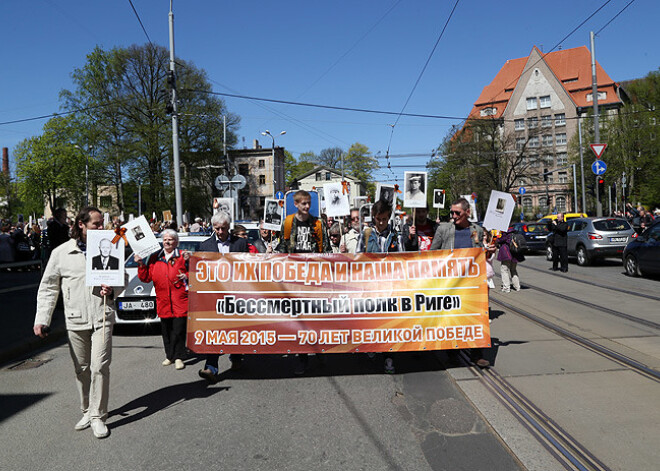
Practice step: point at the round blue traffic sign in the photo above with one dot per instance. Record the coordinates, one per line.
(522, 190)
(279, 195)
(599, 167)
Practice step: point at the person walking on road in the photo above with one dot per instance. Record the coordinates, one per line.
(168, 270)
(223, 243)
(89, 328)
(508, 263)
(559, 229)
(459, 233)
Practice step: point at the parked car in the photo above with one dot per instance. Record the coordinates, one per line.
(535, 233)
(590, 239)
(137, 304)
(642, 255)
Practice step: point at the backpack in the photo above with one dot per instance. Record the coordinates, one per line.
(518, 245)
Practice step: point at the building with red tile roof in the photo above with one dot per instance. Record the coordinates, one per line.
(538, 100)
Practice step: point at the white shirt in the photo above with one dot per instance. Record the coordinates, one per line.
(223, 247)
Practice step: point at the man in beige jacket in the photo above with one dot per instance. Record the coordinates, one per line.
(90, 344)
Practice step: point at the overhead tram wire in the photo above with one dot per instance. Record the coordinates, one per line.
(140, 21)
(615, 17)
(515, 80)
(346, 52)
(419, 77)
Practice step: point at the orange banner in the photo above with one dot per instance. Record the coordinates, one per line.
(338, 303)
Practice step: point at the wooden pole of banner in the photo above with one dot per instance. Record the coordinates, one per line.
(414, 218)
(341, 232)
(437, 216)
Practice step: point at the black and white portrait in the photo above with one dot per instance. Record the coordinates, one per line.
(336, 200)
(415, 190)
(105, 259)
(385, 192)
(438, 198)
(365, 214)
(273, 210)
(138, 233)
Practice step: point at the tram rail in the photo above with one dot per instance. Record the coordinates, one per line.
(569, 452)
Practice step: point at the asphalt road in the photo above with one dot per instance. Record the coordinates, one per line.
(346, 414)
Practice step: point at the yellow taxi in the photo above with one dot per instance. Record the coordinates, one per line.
(567, 216)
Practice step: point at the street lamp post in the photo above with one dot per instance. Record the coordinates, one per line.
(267, 133)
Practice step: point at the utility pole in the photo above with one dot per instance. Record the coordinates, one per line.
(175, 128)
(594, 93)
(584, 195)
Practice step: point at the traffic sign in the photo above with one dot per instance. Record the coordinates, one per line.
(222, 182)
(230, 194)
(239, 180)
(599, 167)
(279, 195)
(522, 190)
(598, 149)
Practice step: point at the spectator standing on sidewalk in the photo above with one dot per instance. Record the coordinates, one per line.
(89, 328)
(559, 229)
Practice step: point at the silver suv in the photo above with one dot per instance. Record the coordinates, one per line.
(590, 239)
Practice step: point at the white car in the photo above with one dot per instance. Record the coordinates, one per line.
(137, 304)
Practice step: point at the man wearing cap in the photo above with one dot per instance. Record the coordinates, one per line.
(414, 191)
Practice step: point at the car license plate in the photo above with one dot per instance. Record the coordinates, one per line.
(618, 239)
(136, 305)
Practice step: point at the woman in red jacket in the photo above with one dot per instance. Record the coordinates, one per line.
(168, 270)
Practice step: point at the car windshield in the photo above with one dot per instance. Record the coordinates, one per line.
(537, 228)
(612, 225)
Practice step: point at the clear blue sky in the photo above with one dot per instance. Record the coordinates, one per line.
(342, 53)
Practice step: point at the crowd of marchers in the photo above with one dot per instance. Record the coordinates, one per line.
(90, 311)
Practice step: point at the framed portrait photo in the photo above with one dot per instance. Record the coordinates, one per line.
(105, 260)
(336, 201)
(414, 191)
(439, 198)
(273, 214)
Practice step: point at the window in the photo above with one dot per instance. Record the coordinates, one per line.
(319, 177)
(546, 122)
(543, 202)
(561, 139)
(562, 177)
(262, 179)
(549, 160)
(562, 158)
(328, 176)
(534, 161)
(520, 124)
(560, 119)
(520, 142)
(527, 204)
(262, 201)
(244, 169)
(262, 163)
(561, 203)
(601, 96)
(488, 111)
(547, 140)
(522, 182)
(105, 201)
(545, 101)
(531, 103)
(533, 141)
(532, 123)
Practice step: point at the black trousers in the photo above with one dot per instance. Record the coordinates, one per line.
(173, 330)
(560, 255)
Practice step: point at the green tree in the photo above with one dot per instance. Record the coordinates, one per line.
(125, 97)
(49, 167)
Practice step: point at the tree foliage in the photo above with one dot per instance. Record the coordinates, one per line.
(123, 98)
(479, 157)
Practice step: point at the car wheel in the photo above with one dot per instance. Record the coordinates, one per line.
(582, 256)
(548, 253)
(631, 265)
